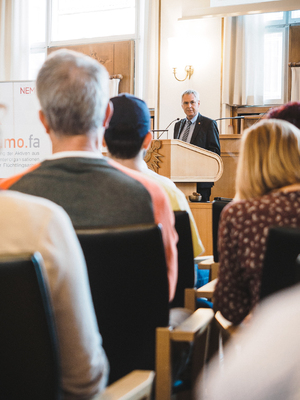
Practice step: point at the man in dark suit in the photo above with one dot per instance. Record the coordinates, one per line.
(198, 130)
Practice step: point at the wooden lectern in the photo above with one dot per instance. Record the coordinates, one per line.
(184, 163)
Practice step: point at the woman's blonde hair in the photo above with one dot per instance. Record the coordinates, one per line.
(269, 158)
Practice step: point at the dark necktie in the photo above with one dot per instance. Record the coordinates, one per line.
(186, 131)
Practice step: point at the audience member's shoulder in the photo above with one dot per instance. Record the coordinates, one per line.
(6, 183)
(237, 206)
(162, 179)
(232, 207)
(146, 181)
(21, 202)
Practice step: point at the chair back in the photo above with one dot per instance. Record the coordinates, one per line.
(186, 268)
(128, 278)
(137, 385)
(281, 268)
(217, 207)
(29, 359)
(188, 341)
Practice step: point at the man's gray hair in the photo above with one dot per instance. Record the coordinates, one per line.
(190, 91)
(73, 90)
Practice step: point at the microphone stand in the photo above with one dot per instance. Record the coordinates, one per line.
(158, 132)
(164, 130)
(221, 119)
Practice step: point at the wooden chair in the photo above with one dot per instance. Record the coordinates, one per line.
(186, 268)
(194, 330)
(211, 263)
(137, 385)
(221, 328)
(205, 291)
(29, 359)
(128, 278)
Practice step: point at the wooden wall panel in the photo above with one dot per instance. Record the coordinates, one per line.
(251, 115)
(117, 57)
(124, 64)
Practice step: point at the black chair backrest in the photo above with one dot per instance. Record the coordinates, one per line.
(217, 207)
(29, 359)
(128, 278)
(281, 268)
(186, 269)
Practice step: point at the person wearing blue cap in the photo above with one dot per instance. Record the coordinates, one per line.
(127, 138)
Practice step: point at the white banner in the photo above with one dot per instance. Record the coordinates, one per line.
(24, 141)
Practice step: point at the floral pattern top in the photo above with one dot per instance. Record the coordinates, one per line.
(243, 230)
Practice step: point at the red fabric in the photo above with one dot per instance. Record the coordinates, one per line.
(8, 182)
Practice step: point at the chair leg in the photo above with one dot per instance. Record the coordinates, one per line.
(163, 384)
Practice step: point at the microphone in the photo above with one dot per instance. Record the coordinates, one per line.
(177, 119)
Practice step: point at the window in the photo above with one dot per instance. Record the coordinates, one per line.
(275, 60)
(295, 16)
(77, 19)
(61, 22)
(37, 35)
(276, 54)
(273, 63)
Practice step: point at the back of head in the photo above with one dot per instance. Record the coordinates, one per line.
(73, 92)
(269, 158)
(289, 112)
(128, 126)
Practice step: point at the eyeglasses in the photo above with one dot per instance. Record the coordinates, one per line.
(186, 103)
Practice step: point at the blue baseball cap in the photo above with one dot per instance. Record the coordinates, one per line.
(131, 117)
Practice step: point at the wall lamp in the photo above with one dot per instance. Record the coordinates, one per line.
(189, 72)
(180, 58)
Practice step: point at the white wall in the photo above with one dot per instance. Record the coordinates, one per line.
(205, 35)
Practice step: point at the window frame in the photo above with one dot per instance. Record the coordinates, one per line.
(138, 37)
(283, 25)
(283, 28)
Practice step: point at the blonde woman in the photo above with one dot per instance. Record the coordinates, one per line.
(268, 194)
